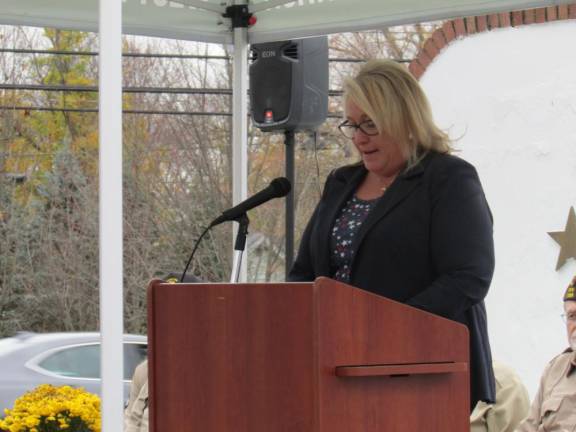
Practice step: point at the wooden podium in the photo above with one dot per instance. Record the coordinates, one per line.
(301, 357)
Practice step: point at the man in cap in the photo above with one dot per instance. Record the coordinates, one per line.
(554, 407)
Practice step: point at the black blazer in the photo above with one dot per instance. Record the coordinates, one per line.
(427, 243)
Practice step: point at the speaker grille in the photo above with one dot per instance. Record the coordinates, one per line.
(291, 51)
(289, 84)
(271, 89)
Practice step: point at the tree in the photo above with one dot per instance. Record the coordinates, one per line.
(49, 224)
(49, 265)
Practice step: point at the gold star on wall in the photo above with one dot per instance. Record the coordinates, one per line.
(566, 239)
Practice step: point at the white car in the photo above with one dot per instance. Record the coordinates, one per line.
(30, 359)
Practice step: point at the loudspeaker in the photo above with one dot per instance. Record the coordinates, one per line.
(289, 84)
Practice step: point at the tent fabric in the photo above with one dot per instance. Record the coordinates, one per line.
(301, 18)
(158, 18)
(316, 17)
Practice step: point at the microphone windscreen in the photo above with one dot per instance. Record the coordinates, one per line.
(281, 186)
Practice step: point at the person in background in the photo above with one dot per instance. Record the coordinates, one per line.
(136, 413)
(409, 221)
(511, 406)
(174, 277)
(554, 407)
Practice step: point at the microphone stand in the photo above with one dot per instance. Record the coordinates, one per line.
(239, 246)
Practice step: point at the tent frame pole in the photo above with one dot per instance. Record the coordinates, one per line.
(110, 214)
(240, 125)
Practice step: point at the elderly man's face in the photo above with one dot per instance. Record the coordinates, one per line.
(570, 311)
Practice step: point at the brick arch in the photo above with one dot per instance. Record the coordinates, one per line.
(462, 27)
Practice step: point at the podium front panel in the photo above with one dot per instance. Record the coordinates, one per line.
(231, 357)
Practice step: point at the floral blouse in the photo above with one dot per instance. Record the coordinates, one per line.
(345, 228)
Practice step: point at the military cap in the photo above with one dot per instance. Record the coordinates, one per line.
(174, 277)
(570, 293)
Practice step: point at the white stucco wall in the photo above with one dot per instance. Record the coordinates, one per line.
(511, 96)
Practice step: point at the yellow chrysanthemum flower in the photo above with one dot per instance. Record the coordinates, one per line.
(49, 408)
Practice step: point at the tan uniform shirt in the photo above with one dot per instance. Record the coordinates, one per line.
(511, 407)
(554, 407)
(136, 414)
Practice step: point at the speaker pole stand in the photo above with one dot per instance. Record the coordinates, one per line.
(289, 247)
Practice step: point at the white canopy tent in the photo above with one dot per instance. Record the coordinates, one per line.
(199, 20)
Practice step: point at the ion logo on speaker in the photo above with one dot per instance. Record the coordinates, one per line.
(268, 54)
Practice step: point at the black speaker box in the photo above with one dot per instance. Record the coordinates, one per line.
(289, 84)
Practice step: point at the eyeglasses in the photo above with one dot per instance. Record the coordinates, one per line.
(367, 127)
(569, 317)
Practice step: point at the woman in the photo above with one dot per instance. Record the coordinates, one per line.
(409, 222)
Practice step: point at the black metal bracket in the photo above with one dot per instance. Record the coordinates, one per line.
(242, 232)
(239, 14)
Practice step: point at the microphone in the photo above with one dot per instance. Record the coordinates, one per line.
(277, 188)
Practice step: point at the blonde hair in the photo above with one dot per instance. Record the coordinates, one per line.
(388, 93)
